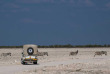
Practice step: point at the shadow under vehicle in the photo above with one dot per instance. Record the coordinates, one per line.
(29, 54)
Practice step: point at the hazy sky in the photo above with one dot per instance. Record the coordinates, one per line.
(49, 22)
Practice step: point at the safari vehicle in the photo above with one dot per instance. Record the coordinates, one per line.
(29, 54)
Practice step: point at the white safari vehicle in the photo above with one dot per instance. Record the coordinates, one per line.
(29, 54)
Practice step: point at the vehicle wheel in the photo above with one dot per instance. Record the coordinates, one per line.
(23, 63)
(35, 62)
(30, 51)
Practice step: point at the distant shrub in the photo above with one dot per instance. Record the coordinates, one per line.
(60, 46)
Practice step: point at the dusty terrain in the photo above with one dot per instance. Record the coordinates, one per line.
(58, 62)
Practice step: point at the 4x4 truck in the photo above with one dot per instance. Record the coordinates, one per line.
(29, 54)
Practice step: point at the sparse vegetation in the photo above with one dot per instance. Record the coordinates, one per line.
(61, 46)
(11, 46)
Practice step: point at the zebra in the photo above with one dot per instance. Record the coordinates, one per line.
(104, 52)
(45, 53)
(100, 53)
(6, 54)
(73, 53)
(40, 54)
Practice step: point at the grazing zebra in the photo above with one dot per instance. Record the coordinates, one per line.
(40, 54)
(45, 53)
(104, 52)
(100, 53)
(73, 53)
(6, 54)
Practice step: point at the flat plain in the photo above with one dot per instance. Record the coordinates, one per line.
(58, 61)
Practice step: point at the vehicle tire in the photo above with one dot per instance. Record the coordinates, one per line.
(30, 51)
(34, 62)
(23, 63)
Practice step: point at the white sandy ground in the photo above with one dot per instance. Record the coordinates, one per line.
(58, 62)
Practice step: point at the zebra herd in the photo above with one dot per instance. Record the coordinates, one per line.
(38, 54)
(75, 53)
(96, 53)
(70, 54)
